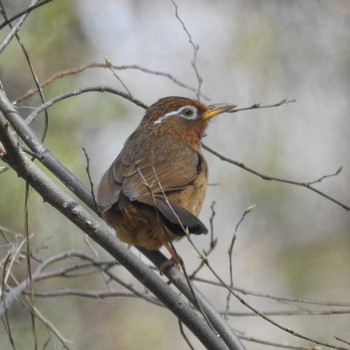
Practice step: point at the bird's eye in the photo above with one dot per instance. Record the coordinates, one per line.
(189, 112)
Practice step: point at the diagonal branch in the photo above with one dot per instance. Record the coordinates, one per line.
(24, 12)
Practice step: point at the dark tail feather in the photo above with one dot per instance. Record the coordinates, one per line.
(176, 217)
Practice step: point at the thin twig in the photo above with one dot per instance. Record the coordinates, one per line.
(78, 92)
(302, 312)
(182, 331)
(213, 242)
(80, 69)
(275, 297)
(260, 106)
(197, 304)
(32, 72)
(195, 51)
(271, 178)
(110, 66)
(93, 294)
(342, 340)
(265, 317)
(29, 265)
(277, 345)
(4, 303)
(13, 32)
(37, 314)
(90, 179)
(230, 255)
(24, 12)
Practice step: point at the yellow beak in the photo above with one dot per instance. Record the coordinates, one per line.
(217, 109)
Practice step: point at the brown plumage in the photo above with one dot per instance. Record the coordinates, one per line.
(155, 188)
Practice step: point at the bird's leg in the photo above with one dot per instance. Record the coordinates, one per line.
(175, 259)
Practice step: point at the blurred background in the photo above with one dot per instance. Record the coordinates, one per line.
(295, 243)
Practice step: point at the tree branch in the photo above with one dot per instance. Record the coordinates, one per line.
(24, 12)
(80, 69)
(307, 185)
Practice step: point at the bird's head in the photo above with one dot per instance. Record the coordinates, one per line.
(182, 117)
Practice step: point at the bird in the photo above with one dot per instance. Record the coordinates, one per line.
(154, 190)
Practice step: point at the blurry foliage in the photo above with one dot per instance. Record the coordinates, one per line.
(324, 261)
(54, 41)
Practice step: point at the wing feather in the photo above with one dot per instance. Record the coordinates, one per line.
(142, 167)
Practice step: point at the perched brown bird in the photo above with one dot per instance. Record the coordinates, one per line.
(153, 191)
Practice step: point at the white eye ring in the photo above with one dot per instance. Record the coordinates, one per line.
(188, 112)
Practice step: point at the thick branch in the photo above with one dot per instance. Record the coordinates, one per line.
(181, 283)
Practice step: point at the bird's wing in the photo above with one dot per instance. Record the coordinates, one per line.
(110, 187)
(140, 172)
(160, 173)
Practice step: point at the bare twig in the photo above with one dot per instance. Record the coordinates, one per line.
(29, 266)
(265, 317)
(93, 294)
(5, 305)
(195, 51)
(260, 106)
(32, 71)
(185, 232)
(225, 331)
(90, 179)
(276, 345)
(80, 69)
(110, 66)
(13, 31)
(37, 314)
(342, 340)
(271, 178)
(211, 223)
(182, 331)
(276, 297)
(213, 242)
(230, 254)
(302, 312)
(77, 92)
(24, 12)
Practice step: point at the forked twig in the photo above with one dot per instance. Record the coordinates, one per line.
(230, 254)
(307, 185)
(260, 106)
(24, 12)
